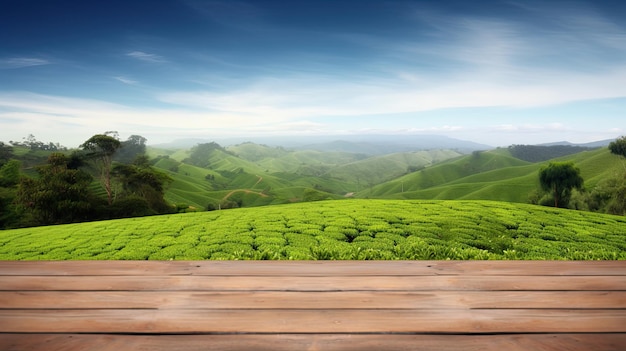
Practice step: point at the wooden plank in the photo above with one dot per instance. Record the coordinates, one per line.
(334, 342)
(312, 300)
(313, 268)
(457, 321)
(310, 283)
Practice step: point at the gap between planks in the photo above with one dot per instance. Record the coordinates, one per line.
(314, 342)
(314, 268)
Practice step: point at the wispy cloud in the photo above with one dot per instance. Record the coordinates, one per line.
(143, 56)
(125, 80)
(21, 62)
(469, 62)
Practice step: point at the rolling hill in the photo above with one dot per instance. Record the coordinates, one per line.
(252, 175)
(490, 175)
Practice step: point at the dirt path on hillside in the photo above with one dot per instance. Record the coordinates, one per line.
(257, 183)
(247, 191)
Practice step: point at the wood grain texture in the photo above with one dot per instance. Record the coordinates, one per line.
(311, 283)
(313, 321)
(314, 342)
(340, 305)
(434, 299)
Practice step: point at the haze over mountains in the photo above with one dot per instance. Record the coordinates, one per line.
(372, 144)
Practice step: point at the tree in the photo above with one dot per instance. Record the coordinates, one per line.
(6, 153)
(9, 178)
(101, 148)
(201, 154)
(618, 147)
(559, 178)
(140, 181)
(58, 195)
(617, 202)
(10, 173)
(130, 149)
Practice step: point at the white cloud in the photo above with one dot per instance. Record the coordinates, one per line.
(77, 119)
(125, 80)
(140, 55)
(20, 62)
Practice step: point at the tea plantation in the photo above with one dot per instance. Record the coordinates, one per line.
(329, 230)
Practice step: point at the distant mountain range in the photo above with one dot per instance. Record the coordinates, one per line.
(593, 144)
(375, 144)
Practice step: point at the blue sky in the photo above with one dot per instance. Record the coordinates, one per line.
(494, 72)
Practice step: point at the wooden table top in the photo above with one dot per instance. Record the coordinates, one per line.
(313, 305)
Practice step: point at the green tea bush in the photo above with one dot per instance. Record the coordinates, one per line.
(333, 230)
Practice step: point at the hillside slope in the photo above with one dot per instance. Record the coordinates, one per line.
(346, 229)
(491, 175)
(252, 175)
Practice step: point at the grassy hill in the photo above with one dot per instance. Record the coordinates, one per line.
(378, 169)
(490, 175)
(346, 229)
(252, 175)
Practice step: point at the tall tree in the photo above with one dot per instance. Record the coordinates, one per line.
(58, 195)
(559, 178)
(100, 148)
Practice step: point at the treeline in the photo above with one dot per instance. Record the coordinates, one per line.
(538, 153)
(563, 186)
(104, 179)
(33, 144)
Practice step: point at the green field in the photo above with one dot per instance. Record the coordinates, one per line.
(345, 229)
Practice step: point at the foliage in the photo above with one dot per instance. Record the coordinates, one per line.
(140, 181)
(201, 153)
(609, 196)
(10, 173)
(329, 230)
(130, 149)
(59, 194)
(9, 216)
(34, 145)
(618, 147)
(559, 178)
(6, 153)
(100, 148)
